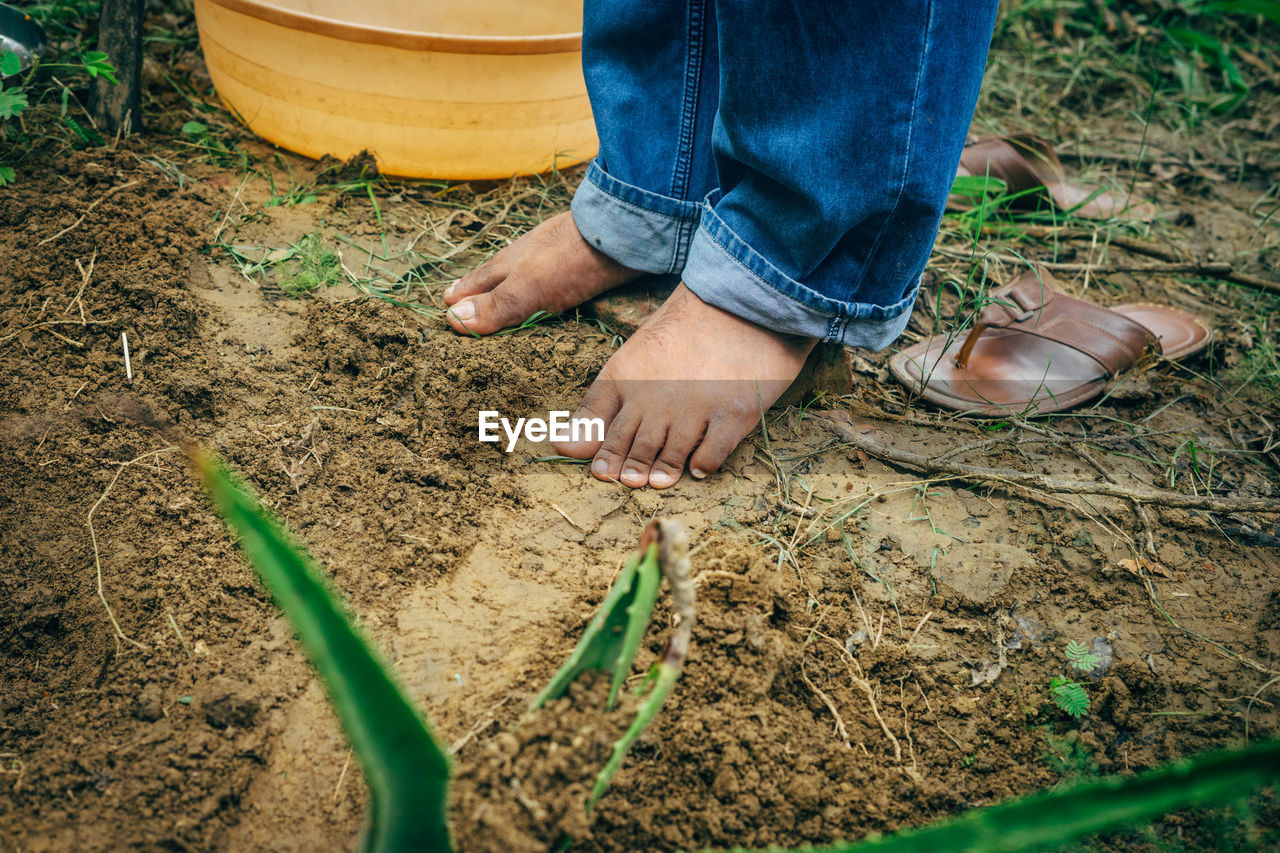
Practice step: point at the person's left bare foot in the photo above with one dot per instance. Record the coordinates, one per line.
(689, 385)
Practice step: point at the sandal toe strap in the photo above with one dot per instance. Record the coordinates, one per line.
(1031, 305)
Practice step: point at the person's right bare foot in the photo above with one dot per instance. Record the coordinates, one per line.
(549, 269)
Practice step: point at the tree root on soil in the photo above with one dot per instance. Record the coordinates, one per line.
(961, 470)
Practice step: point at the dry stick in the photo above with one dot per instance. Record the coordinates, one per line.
(962, 471)
(87, 211)
(337, 789)
(487, 227)
(128, 367)
(918, 627)
(45, 325)
(914, 772)
(1149, 539)
(93, 538)
(831, 706)
(859, 678)
(1215, 269)
(487, 719)
(85, 275)
(222, 223)
(575, 525)
(841, 730)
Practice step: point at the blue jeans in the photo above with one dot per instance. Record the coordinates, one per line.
(790, 160)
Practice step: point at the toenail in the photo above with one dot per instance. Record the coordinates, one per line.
(632, 473)
(448, 291)
(464, 311)
(600, 467)
(698, 472)
(661, 478)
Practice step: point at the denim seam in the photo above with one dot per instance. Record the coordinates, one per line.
(683, 224)
(906, 160)
(753, 274)
(694, 38)
(635, 205)
(842, 315)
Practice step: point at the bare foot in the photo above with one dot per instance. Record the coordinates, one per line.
(549, 269)
(688, 385)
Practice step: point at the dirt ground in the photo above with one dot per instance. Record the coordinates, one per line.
(874, 645)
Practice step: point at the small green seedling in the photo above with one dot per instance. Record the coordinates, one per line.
(1070, 696)
(1067, 693)
(613, 637)
(1080, 658)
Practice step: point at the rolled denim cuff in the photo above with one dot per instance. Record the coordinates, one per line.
(727, 273)
(637, 228)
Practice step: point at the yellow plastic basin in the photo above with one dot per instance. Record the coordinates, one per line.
(432, 88)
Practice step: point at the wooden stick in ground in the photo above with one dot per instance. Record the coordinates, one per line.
(117, 107)
(934, 465)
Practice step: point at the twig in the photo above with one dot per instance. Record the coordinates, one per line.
(222, 223)
(859, 678)
(488, 719)
(45, 325)
(1159, 497)
(85, 275)
(93, 538)
(181, 639)
(1174, 263)
(918, 627)
(793, 507)
(128, 367)
(831, 706)
(87, 211)
(1149, 540)
(566, 517)
(341, 776)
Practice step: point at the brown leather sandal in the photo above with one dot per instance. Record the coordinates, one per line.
(1027, 162)
(1034, 350)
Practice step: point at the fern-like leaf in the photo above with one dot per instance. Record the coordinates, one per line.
(1080, 657)
(1069, 696)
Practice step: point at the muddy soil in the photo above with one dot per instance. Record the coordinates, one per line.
(873, 648)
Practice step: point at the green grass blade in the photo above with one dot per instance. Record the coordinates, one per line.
(406, 769)
(1056, 817)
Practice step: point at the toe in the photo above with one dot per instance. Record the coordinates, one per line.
(480, 280)
(509, 304)
(649, 440)
(608, 461)
(723, 435)
(593, 419)
(667, 468)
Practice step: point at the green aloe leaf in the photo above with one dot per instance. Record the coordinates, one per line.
(612, 638)
(406, 769)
